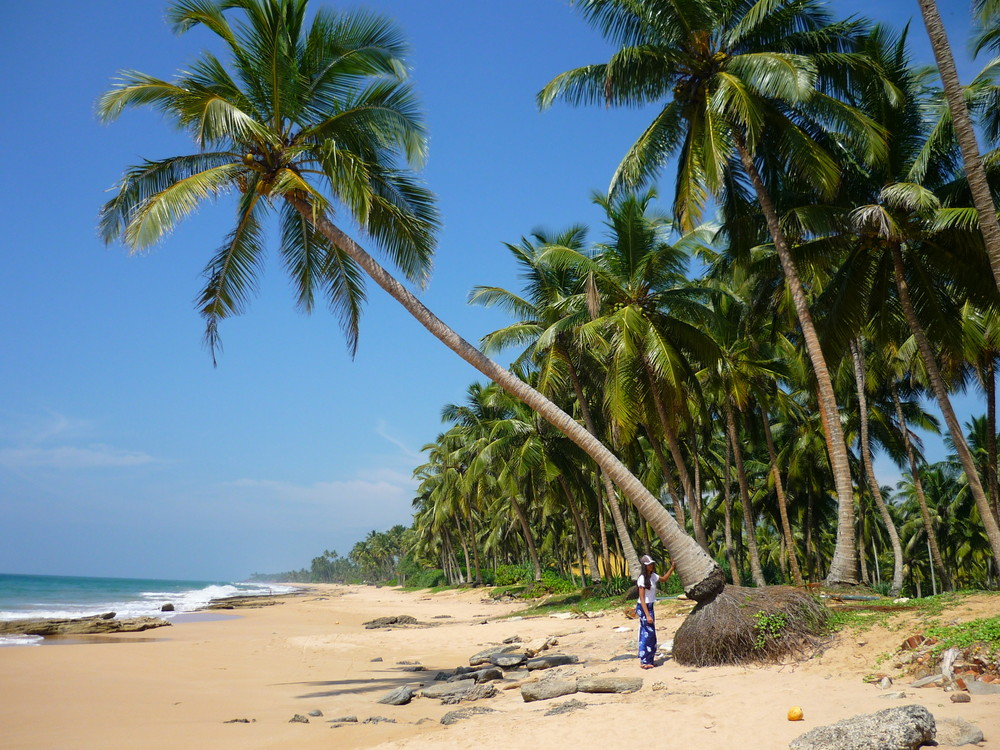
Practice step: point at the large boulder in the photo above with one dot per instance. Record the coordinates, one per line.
(901, 728)
(441, 689)
(398, 697)
(609, 684)
(552, 660)
(958, 732)
(508, 661)
(483, 657)
(545, 689)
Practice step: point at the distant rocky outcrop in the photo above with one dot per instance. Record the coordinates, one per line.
(243, 602)
(95, 625)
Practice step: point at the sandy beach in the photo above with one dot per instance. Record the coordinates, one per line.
(179, 686)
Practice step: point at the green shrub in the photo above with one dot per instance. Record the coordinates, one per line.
(426, 579)
(507, 575)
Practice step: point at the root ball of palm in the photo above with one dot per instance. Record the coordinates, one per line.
(743, 625)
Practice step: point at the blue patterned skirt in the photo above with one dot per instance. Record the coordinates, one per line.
(647, 634)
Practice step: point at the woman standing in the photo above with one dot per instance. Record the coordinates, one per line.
(646, 582)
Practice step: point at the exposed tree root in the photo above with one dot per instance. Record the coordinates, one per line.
(743, 625)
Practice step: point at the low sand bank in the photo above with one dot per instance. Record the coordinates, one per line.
(313, 653)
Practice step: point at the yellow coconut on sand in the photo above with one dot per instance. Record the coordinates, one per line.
(795, 714)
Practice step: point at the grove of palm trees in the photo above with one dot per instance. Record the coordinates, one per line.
(712, 377)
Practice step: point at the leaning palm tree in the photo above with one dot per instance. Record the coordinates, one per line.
(749, 89)
(311, 120)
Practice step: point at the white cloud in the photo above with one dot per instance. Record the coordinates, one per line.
(72, 457)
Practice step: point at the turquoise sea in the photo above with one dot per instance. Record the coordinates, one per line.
(26, 596)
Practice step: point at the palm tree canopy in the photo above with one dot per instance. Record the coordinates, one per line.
(318, 108)
(726, 69)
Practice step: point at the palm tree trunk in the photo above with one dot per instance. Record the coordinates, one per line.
(748, 522)
(779, 489)
(944, 403)
(866, 459)
(699, 574)
(843, 567)
(473, 542)
(675, 452)
(990, 388)
(965, 133)
(603, 529)
(865, 578)
(727, 482)
(918, 487)
(582, 531)
(588, 420)
(526, 530)
(668, 479)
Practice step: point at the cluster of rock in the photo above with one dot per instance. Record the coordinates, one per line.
(496, 665)
(393, 621)
(95, 625)
(900, 728)
(962, 672)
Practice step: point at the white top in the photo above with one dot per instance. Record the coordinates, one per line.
(651, 591)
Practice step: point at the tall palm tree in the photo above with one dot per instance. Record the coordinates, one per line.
(742, 81)
(964, 131)
(549, 314)
(309, 119)
(645, 315)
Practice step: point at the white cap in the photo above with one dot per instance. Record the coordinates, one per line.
(647, 560)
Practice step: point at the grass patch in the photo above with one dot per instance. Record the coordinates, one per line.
(982, 634)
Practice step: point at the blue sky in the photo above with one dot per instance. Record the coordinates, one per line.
(123, 452)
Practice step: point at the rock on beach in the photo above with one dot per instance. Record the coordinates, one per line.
(902, 728)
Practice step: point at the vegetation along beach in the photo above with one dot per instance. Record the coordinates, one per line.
(757, 343)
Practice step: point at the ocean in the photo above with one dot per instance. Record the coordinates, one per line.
(23, 597)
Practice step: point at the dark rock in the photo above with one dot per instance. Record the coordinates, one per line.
(81, 626)
(316, 713)
(957, 732)
(513, 639)
(552, 660)
(240, 721)
(487, 675)
(483, 657)
(441, 617)
(443, 676)
(453, 717)
(609, 684)
(508, 661)
(389, 622)
(377, 658)
(344, 720)
(242, 602)
(298, 719)
(408, 663)
(960, 698)
(547, 689)
(472, 694)
(565, 708)
(902, 728)
(978, 687)
(398, 697)
(441, 689)
(168, 607)
(378, 720)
